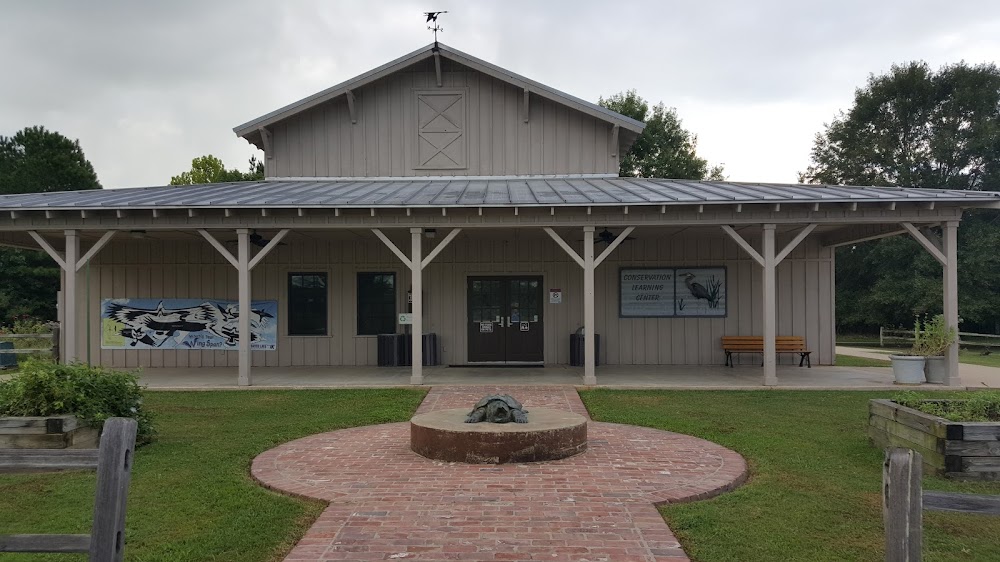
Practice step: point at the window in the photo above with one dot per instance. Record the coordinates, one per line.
(307, 294)
(376, 303)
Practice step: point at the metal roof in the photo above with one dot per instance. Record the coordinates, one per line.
(532, 86)
(561, 191)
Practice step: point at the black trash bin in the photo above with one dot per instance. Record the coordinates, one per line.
(430, 348)
(389, 350)
(577, 348)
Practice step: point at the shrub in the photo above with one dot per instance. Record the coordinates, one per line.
(979, 407)
(93, 394)
(933, 337)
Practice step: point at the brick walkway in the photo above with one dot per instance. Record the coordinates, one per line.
(388, 503)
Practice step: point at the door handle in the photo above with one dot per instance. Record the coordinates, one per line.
(508, 322)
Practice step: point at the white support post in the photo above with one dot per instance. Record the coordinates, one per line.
(243, 265)
(770, 315)
(589, 369)
(417, 286)
(950, 244)
(69, 301)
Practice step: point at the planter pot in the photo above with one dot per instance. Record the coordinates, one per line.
(908, 369)
(936, 370)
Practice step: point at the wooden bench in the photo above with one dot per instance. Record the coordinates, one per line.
(113, 461)
(755, 344)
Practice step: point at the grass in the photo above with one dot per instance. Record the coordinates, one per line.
(191, 496)
(852, 361)
(814, 491)
(969, 356)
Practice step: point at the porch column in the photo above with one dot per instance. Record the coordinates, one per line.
(417, 286)
(589, 369)
(243, 267)
(950, 246)
(69, 297)
(770, 316)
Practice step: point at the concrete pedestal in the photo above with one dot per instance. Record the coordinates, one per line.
(548, 435)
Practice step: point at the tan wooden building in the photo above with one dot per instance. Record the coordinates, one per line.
(441, 194)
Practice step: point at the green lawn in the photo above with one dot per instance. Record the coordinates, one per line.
(814, 491)
(970, 356)
(852, 361)
(191, 496)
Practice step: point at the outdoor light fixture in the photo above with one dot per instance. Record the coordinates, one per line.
(137, 233)
(430, 232)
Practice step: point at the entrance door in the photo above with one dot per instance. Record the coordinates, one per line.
(505, 320)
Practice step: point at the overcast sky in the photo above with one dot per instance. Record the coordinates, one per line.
(147, 86)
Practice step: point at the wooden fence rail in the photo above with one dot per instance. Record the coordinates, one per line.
(904, 501)
(892, 335)
(113, 461)
(53, 347)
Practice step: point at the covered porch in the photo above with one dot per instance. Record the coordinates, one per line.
(689, 377)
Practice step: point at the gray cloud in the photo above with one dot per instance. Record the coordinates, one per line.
(148, 86)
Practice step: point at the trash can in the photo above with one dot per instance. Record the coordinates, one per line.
(7, 360)
(430, 348)
(577, 348)
(389, 350)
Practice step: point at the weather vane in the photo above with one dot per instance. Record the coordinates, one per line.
(433, 17)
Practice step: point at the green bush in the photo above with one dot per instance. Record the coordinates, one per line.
(93, 394)
(979, 407)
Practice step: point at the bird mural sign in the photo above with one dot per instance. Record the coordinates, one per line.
(185, 324)
(674, 291)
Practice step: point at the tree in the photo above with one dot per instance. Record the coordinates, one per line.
(36, 160)
(664, 149)
(209, 169)
(918, 128)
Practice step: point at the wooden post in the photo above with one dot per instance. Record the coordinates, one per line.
(902, 505)
(70, 301)
(770, 305)
(114, 471)
(881, 343)
(417, 286)
(243, 245)
(589, 368)
(950, 247)
(56, 330)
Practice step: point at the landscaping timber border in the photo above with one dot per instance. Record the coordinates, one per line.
(961, 450)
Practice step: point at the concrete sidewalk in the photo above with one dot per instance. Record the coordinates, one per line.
(973, 376)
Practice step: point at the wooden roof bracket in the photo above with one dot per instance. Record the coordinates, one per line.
(350, 106)
(437, 66)
(265, 137)
(524, 106)
(614, 140)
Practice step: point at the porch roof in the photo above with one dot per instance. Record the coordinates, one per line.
(456, 192)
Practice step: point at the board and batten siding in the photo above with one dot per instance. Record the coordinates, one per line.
(323, 142)
(193, 269)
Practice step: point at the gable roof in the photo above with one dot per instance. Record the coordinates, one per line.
(250, 129)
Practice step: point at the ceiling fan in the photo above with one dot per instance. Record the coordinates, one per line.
(256, 239)
(606, 237)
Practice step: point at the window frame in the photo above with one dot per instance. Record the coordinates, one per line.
(289, 308)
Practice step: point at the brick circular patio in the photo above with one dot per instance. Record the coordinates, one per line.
(388, 503)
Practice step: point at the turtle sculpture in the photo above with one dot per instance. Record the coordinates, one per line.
(498, 408)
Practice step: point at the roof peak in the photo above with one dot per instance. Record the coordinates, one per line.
(430, 50)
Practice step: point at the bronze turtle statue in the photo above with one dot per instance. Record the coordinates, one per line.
(497, 408)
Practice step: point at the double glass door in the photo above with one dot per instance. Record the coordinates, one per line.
(505, 319)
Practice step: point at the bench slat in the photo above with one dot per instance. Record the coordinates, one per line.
(45, 543)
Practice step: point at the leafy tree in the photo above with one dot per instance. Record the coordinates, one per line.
(918, 128)
(664, 149)
(209, 169)
(36, 160)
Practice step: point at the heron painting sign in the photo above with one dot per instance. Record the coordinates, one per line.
(185, 324)
(674, 291)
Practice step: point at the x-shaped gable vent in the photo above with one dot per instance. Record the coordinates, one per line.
(441, 130)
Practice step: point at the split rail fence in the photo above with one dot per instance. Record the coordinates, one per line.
(890, 336)
(8, 352)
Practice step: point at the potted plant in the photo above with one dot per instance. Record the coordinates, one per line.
(908, 368)
(936, 337)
